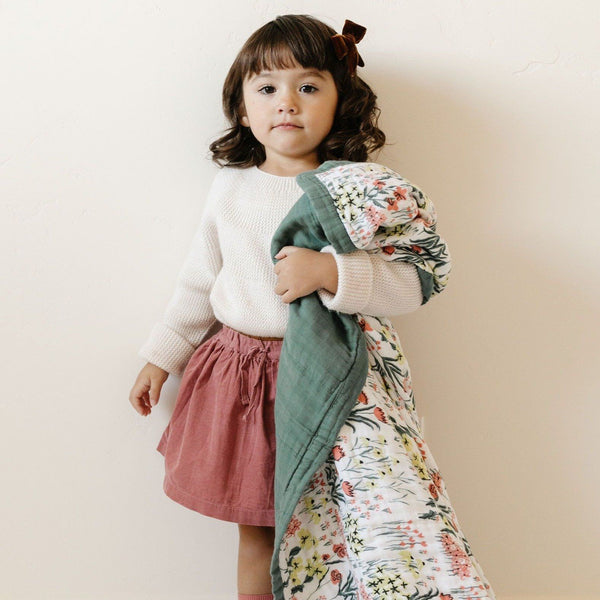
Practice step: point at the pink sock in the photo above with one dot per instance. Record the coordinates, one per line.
(255, 596)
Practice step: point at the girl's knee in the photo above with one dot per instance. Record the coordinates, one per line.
(257, 537)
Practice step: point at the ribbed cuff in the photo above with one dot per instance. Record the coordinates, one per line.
(167, 349)
(355, 282)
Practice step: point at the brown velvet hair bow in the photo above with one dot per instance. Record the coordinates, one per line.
(344, 44)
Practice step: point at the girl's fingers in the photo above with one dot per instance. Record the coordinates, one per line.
(138, 399)
(146, 390)
(154, 393)
(141, 404)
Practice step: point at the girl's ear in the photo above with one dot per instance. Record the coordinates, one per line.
(243, 117)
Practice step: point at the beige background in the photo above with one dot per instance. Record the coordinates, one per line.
(107, 109)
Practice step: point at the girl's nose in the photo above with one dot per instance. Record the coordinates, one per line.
(283, 108)
(287, 104)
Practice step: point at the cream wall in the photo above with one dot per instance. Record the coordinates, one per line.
(107, 109)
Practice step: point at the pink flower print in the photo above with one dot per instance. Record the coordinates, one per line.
(461, 564)
(419, 221)
(416, 249)
(413, 212)
(454, 521)
(337, 452)
(389, 250)
(433, 491)
(437, 480)
(379, 184)
(379, 414)
(400, 193)
(293, 526)
(364, 595)
(362, 398)
(392, 203)
(340, 550)
(374, 215)
(336, 576)
(348, 489)
(364, 325)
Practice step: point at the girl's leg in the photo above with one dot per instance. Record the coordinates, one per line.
(254, 559)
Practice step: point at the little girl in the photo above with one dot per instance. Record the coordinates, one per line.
(294, 100)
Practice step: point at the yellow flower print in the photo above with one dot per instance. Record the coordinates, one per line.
(412, 564)
(417, 462)
(311, 509)
(309, 503)
(297, 563)
(315, 568)
(448, 523)
(400, 359)
(307, 540)
(294, 579)
(407, 442)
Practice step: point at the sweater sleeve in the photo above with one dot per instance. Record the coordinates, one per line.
(369, 284)
(189, 314)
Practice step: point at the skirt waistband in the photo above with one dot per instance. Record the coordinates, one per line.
(251, 346)
(256, 337)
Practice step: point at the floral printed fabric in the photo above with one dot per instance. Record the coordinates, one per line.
(375, 521)
(383, 212)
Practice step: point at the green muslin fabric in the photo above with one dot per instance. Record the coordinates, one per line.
(323, 360)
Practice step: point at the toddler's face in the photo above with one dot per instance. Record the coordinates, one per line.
(290, 112)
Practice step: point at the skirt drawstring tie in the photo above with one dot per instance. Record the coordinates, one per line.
(248, 395)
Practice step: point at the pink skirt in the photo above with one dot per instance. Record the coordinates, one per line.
(219, 445)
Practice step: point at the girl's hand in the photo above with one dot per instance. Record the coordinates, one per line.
(146, 389)
(301, 271)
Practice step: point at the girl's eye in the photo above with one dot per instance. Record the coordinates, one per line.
(306, 88)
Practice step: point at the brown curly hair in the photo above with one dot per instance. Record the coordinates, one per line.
(304, 40)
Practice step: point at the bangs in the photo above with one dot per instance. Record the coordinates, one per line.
(281, 45)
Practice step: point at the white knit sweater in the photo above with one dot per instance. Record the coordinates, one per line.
(228, 274)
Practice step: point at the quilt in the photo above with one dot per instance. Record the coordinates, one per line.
(362, 509)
